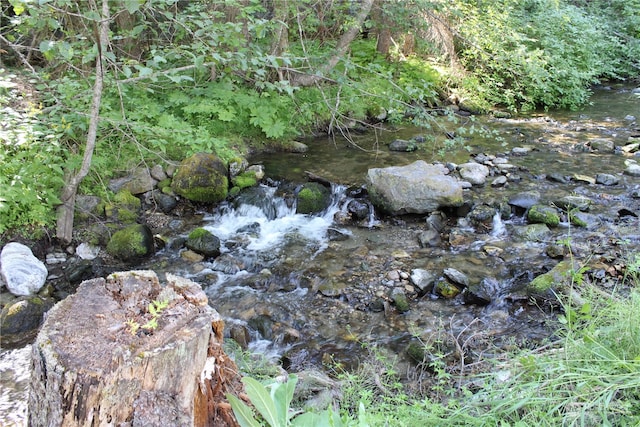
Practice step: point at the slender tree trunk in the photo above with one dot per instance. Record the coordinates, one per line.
(340, 51)
(66, 210)
(281, 34)
(383, 44)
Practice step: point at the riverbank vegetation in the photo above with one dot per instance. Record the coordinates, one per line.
(234, 76)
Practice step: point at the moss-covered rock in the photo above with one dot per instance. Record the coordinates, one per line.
(400, 300)
(124, 207)
(446, 289)
(202, 241)
(540, 214)
(313, 198)
(202, 178)
(556, 278)
(131, 243)
(244, 180)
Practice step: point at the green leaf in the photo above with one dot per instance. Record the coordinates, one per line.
(132, 6)
(261, 400)
(282, 394)
(243, 413)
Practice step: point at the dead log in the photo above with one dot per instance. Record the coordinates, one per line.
(127, 351)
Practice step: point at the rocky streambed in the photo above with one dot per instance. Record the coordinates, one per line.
(540, 197)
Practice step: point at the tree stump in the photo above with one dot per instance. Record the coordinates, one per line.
(106, 357)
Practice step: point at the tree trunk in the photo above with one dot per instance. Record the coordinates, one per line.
(340, 50)
(66, 210)
(92, 367)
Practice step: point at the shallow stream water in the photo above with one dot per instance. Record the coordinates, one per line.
(291, 291)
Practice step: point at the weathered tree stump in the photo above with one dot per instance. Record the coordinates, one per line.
(99, 360)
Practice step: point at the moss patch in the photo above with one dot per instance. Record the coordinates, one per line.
(543, 215)
(313, 198)
(202, 178)
(131, 243)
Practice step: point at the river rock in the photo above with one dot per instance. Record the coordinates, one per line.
(202, 178)
(202, 241)
(124, 207)
(482, 293)
(359, 209)
(429, 238)
(558, 177)
(568, 203)
(456, 276)
(87, 251)
(606, 179)
(525, 200)
(583, 178)
(499, 181)
(543, 214)
(557, 278)
(533, 232)
(403, 145)
(138, 182)
(21, 272)
(602, 145)
(632, 167)
(415, 188)
(312, 198)
(131, 243)
(445, 289)
(422, 279)
(21, 318)
(520, 151)
(482, 215)
(473, 172)
(400, 300)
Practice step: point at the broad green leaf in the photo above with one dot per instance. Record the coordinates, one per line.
(132, 6)
(261, 400)
(243, 413)
(282, 394)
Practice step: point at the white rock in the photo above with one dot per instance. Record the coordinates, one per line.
(21, 271)
(475, 173)
(87, 251)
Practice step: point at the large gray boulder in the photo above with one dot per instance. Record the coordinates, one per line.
(415, 188)
(22, 273)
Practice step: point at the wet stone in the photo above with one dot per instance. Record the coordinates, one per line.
(456, 276)
(525, 200)
(573, 202)
(606, 179)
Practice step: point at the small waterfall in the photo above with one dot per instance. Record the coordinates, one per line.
(498, 229)
(264, 223)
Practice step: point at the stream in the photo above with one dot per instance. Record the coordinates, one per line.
(307, 290)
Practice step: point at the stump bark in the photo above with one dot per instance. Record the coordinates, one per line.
(99, 360)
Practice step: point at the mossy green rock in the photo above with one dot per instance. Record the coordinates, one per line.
(124, 207)
(446, 289)
(400, 301)
(558, 278)
(131, 243)
(313, 198)
(202, 241)
(202, 178)
(244, 180)
(540, 214)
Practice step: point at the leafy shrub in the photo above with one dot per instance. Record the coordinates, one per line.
(31, 159)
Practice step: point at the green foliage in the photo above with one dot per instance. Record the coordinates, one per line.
(538, 52)
(273, 403)
(155, 310)
(31, 160)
